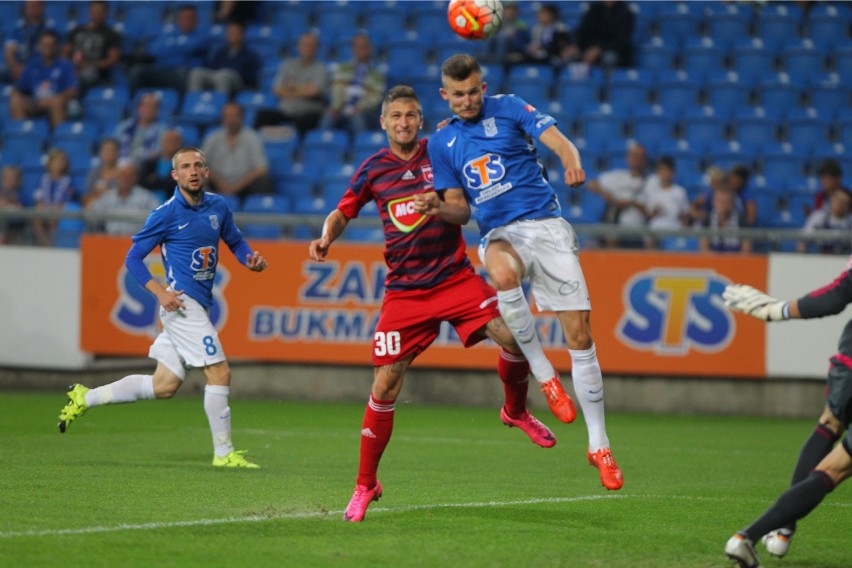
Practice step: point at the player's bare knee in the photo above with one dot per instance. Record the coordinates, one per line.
(830, 421)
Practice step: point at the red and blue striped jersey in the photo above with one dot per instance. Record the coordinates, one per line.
(421, 251)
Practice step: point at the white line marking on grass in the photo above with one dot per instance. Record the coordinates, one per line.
(291, 516)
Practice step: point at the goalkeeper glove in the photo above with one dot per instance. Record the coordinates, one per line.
(751, 301)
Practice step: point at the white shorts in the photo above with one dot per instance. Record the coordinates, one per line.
(188, 339)
(548, 248)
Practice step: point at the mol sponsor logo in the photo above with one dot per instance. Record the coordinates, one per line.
(403, 215)
(673, 312)
(136, 311)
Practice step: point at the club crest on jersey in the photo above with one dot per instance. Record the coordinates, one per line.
(403, 215)
(490, 127)
(214, 221)
(427, 175)
(484, 171)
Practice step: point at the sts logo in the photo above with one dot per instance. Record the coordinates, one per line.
(137, 311)
(673, 311)
(484, 171)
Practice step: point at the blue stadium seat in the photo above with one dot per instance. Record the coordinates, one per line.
(679, 244)
(842, 61)
(542, 75)
(23, 138)
(680, 24)
(701, 56)
(778, 93)
(702, 127)
(629, 88)
(601, 124)
(802, 62)
(755, 127)
(729, 25)
(727, 92)
(311, 205)
(677, 92)
(366, 144)
(576, 93)
(651, 125)
(782, 162)
(405, 54)
(656, 56)
(806, 127)
(84, 132)
(325, 146)
(292, 16)
(202, 108)
(726, 154)
(268, 204)
(776, 24)
(752, 62)
(844, 131)
(830, 26)
(583, 207)
(69, 231)
(830, 98)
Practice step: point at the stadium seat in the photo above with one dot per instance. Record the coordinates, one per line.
(583, 207)
(776, 24)
(701, 56)
(68, 231)
(806, 127)
(844, 131)
(782, 162)
(169, 101)
(202, 108)
(266, 204)
(829, 26)
(22, 138)
(830, 98)
(82, 132)
(730, 24)
(629, 88)
(842, 61)
(679, 244)
(802, 62)
(575, 93)
(366, 144)
(601, 125)
(753, 61)
(651, 124)
(726, 154)
(677, 92)
(679, 24)
(311, 205)
(656, 56)
(755, 127)
(777, 94)
(325, 146)
(702, 127)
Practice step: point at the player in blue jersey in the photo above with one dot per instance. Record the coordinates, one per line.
(485, 163)
(187, 228)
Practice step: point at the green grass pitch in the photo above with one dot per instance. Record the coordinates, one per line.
(132, 485)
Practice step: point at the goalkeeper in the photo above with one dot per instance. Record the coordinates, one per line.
(822, 466)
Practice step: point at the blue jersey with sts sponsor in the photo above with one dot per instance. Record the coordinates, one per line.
(188, 236)
(494, 160)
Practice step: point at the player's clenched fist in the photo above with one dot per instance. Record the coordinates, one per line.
(748, 300)
(427, 203)
(575, 177)
(318, 248)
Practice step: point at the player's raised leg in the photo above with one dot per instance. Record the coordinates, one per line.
(589, 389)
(506, 270)
(376, 430)
(218, 413)
(162, 384)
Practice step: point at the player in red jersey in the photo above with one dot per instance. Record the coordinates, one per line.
(430, 280)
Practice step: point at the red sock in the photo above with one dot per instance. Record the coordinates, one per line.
(513, 371)
(375, 434)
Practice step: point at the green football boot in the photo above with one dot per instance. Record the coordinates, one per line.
(75, 407)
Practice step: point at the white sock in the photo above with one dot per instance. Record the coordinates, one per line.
(219, 416)
(129, 389)
(588, 385)
(520, 321)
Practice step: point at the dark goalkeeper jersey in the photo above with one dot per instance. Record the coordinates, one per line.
(421, 251)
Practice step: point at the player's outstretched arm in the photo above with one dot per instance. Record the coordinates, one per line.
(748, 300)
(333, 227)
(453, 208)
(568, 155)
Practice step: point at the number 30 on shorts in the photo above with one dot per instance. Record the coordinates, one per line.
(387, 343)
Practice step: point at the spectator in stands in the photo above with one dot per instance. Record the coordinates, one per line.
(723, 215)
(357, 88)
(173, 53)
(508, 46)
(94, 48)
(229, 68)
(126, 197)
(46, 86)
(139, 136)
(623, 191)
(54, 190)
(22, 39)
(830, 180)
(103, 174)
(699, 209)
(605, 34)
(301, 85)
(238, 163)
(737, 178)
(10, 191)
(155, 173)
(550, 39)
(666, 203)
(838, 217)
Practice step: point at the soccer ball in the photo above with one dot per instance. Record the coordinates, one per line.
(475, 19)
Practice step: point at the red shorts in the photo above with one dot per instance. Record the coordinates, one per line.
(411, 319)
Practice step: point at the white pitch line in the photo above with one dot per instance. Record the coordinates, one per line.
(290, 516)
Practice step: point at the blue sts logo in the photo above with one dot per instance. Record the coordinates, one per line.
(203, 258)
(484, 171)
(136, 311)
(672, 312)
